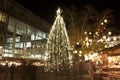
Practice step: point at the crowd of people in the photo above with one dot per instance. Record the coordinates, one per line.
(26, 71)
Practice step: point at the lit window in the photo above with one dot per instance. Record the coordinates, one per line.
(3, 17)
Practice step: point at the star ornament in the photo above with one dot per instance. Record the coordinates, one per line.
(59, 11)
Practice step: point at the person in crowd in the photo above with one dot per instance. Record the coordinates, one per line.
(91, 69)
(23, 68)
(31, 70)
(6, 72)
(12, 71)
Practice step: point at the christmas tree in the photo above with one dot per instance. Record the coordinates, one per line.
(58, 46)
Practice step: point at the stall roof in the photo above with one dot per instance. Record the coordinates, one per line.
(112, 51)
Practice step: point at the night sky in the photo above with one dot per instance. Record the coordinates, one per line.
(46, 9)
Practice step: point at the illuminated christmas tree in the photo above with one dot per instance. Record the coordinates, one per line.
(58, 46)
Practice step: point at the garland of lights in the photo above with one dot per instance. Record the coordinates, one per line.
(58, 46)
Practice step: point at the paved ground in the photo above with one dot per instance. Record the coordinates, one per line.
(37, 73)
(46, 77)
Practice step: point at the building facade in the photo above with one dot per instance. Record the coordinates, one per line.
(22, 33)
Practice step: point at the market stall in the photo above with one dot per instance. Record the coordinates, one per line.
(107, 64)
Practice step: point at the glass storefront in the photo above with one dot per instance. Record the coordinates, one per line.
(23, 40)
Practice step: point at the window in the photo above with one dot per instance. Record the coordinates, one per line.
(3, 17)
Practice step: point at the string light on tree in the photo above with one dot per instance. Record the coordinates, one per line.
(58, 45)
